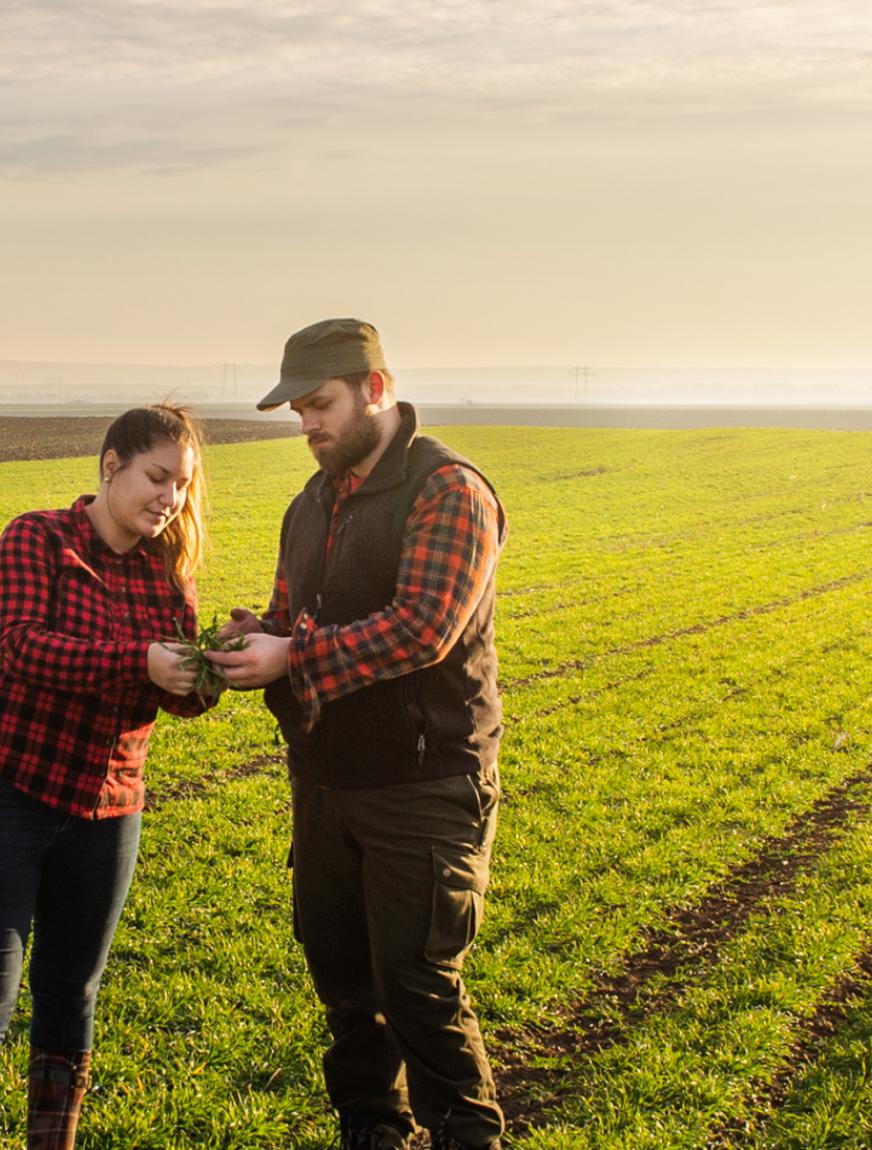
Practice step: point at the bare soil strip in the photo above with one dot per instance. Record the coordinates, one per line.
(692, 939)
(22, 437)
(735, 691)
(694, 629)
(811, 1035)
(194, 788)
(574, 700)
(554, 608)
(808, 537)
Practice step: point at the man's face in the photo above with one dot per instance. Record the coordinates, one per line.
(340, 430)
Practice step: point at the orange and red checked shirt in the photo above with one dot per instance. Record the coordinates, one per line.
(450, 550)
(76, 621)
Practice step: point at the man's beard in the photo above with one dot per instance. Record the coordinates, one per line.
(351, 446)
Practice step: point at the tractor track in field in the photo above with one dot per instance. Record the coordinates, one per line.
(809, 536)
(194, 788)
(811, 1035)
(735, 691)
(574, 700)
(732, 690)
(556, 608)
(693, 629)
(703, 528)
(692, 936)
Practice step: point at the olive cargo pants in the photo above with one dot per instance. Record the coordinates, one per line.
(389, 886)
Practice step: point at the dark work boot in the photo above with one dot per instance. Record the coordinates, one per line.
(56, 1086)
(358, 1132)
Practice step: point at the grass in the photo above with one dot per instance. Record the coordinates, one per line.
(684, 639)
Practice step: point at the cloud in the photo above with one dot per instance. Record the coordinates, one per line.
(226, 80)
(438, 44)
(69, 153)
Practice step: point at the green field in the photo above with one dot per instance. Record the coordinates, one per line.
(677, 947)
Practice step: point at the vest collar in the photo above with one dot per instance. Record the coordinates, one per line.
(390, 471)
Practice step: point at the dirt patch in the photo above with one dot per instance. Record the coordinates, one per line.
(193, 788)
(692, 939)
(810, 1037)
(511, 720)
(56, 437)
(694, 629)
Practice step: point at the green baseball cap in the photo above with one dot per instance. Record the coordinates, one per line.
(322, 351)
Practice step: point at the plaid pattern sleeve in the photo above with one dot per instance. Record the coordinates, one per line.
(76, 622)
(31, 648)
(276, 620)
(450, 550)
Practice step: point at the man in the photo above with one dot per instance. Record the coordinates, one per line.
(378, 659)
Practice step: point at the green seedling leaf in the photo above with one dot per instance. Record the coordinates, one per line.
(210, 679)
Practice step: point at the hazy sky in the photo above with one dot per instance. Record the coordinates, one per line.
(614, 183)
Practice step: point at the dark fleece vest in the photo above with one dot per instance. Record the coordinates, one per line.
(442, 720)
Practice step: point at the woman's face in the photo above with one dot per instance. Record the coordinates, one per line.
(146, 494)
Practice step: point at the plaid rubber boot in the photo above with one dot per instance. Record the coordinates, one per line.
(56, 1087)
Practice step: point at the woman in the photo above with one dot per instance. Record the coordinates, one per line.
(89, 601)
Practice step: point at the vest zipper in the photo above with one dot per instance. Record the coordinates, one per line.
(422, 749)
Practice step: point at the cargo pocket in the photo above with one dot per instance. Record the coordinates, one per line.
(459, 883)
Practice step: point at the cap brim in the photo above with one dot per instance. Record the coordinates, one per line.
(287, 390)
(276, 397)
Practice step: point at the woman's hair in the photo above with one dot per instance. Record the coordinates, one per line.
(138, 431)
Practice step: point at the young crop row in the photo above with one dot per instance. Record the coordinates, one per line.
(684, 661)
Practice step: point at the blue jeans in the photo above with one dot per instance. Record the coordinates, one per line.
(68, 877)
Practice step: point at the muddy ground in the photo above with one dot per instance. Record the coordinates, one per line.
(50, 437)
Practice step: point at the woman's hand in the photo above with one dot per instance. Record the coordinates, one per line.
(170, 668)
(241, 622)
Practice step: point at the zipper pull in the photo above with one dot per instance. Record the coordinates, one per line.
(317, 605)
(422, 749)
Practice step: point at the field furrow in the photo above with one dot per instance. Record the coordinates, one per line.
(834, 1017)
(726, 1036)
(679, 952)
(699, 628)
(675, 954)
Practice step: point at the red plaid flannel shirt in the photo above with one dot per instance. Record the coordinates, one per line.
(450, 550)
(76, 620)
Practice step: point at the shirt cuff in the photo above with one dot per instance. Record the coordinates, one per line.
(302, 684)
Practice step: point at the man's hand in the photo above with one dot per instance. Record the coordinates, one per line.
(263, 660)
(170, 667)
(241, 622)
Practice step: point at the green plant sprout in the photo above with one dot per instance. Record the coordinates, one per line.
(210, 679)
